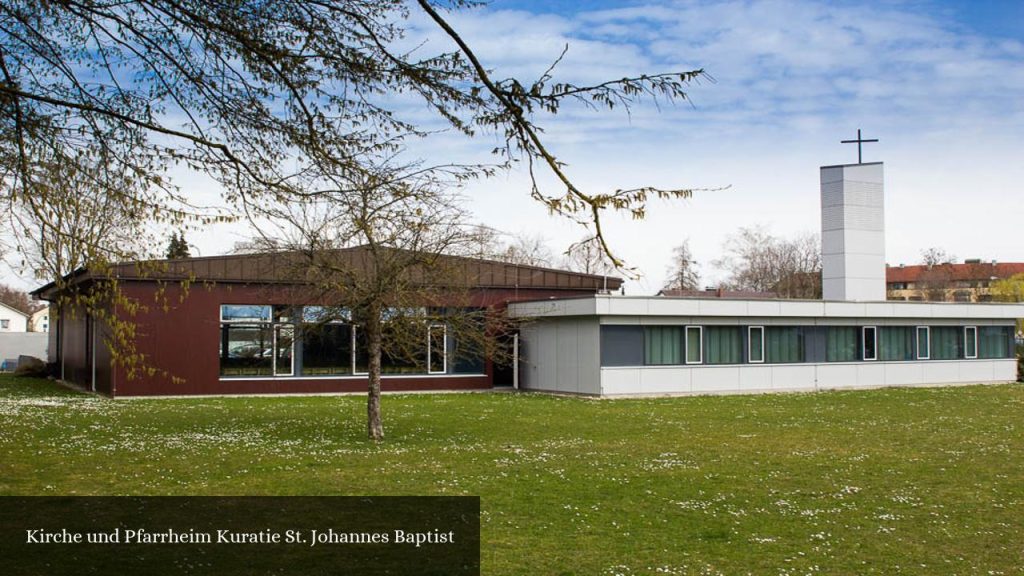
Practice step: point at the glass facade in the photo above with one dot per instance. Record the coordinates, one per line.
(994, 342)
(246, 350)
(625, 345)
(896, 343)
(784, 344)
(724, 345)
(663, 345)
(946, 343)
(265, 340)
(841, 344)
(327, 349)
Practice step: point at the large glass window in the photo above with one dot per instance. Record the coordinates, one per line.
(325, 314)
(994, 342)
(244, 313)
(403, 346)
(694, 345)
(970, 342)
(246, 350)
(467, 357)
(896, 343)
(327, 349)
(724, 344)
(402, 362)
(784, 344)
(945, 342)
(755, 344)
(841, 344)
(923, 343)
(663, 345)
(869, 343)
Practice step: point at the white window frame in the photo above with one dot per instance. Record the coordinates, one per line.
(444, 349)
(291, 368)
(686, 345)
(975, 330)
(917, 343)
(864, 343)
(750, 330)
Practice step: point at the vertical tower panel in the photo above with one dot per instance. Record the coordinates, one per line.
(853, 232)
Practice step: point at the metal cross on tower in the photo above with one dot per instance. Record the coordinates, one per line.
(859, 141)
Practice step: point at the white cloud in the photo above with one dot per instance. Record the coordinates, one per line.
(793, 77)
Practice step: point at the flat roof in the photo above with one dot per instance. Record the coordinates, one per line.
(851, 165)
(613, 305)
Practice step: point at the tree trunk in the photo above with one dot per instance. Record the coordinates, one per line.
(374, 425)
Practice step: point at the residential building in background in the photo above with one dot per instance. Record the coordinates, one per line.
(12, 319)
(40, 320)
(967, 282)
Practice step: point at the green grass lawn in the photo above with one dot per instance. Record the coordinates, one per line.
(912, 481)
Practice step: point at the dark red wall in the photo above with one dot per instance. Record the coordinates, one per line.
(179, 334)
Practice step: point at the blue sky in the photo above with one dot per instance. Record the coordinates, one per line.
(941, 84)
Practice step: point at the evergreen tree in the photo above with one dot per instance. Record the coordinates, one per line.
(178, 247)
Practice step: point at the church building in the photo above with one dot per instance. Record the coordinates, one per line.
(604, 345)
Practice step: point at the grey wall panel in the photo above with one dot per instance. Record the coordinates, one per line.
(622, 345)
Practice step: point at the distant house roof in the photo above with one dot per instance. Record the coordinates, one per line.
(719, 293)
(967, 271)
(13, 309)
(282, 268)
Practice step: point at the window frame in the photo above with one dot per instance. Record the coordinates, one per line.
(864, 343)
(444, 349)
(973, 341)
(750, 330)
(700, 345)
(927, 343)
(291, 368)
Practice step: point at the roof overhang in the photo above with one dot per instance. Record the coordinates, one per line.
(610, 305)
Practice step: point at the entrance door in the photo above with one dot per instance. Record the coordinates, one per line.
(504, 366)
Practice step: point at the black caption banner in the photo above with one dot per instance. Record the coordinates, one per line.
(281, 535)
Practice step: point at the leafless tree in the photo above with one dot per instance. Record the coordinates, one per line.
(682, 273)
(935, 256)
(385, 251)
(757, 260)
(258, 94)
(586, 256)
(936, 282)
(17, 299)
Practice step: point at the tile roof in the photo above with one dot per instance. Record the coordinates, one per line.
(973, 271)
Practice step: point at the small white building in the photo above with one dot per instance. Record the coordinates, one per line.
(625, 345)
(617, 345)
(40, 320)
(12, 319)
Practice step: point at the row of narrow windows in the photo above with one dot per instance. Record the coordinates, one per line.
(679, 345)
(282, 341)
